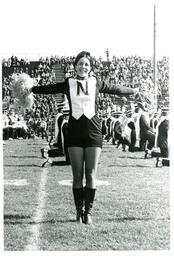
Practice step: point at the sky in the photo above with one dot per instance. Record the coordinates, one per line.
(66, 27)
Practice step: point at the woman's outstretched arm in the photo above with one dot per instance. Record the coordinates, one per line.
(106, 87)
(50, 89)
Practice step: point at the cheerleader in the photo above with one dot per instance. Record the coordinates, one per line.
(84, 128)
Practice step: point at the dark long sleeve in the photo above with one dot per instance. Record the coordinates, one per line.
(51, 88)
(106, 87)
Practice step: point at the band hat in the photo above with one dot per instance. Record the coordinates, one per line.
(5, 107)
(130, 108)
(65, 112)
(128, 112)
(60, 105)
(116, 113)
(141, 105)
(165, 110)
(142, 98)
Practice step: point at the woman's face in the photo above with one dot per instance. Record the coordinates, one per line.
(83, 67)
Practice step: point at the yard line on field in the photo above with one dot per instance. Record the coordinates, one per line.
(33, 243)
(15, 182)
(98, 183)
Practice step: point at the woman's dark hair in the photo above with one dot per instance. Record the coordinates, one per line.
(81, 55)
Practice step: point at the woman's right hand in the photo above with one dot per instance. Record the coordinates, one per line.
(30, 90)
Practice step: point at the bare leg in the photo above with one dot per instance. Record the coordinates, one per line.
(76, 155)
(92, 156)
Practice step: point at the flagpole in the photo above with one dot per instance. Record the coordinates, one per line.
(154, 61)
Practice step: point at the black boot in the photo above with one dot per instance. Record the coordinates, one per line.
(78, 199)
(89, 200)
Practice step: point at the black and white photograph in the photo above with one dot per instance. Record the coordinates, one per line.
(86, 107)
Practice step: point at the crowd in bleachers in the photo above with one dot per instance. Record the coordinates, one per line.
(132, 71)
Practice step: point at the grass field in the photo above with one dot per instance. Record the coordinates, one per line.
(131, 210)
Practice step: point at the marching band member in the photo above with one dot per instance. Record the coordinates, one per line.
(161, 137)
(144, 133)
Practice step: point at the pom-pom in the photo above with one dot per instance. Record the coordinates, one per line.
(20, 86)
(26, 102)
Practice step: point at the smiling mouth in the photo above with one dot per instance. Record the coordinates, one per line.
(83, 71)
